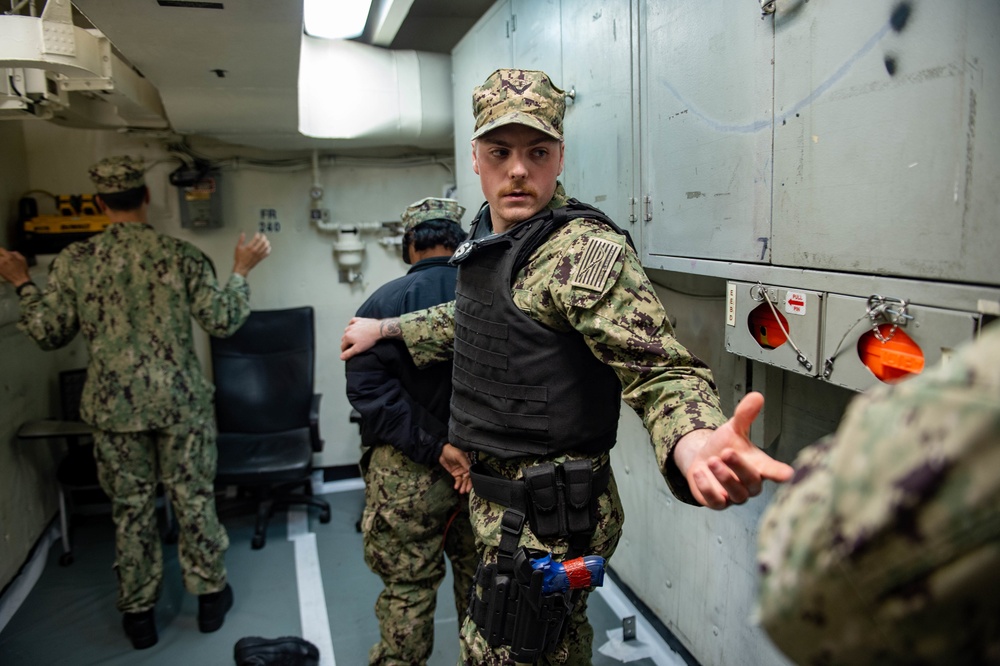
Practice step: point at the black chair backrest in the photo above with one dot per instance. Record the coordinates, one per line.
(70, 391)
(264, 373)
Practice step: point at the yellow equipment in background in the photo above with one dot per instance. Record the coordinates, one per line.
(77, 219)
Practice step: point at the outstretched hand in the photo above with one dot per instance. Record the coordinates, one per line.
(456, 461)
(723, 467)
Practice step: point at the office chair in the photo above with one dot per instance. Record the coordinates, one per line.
(267, 413)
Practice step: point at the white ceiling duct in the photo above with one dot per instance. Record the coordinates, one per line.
(229, 70)
(351, 91)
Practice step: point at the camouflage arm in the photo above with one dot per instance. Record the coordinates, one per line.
(882, 547)
(430, 334)
(220, 311)
(49, 317)
(625, 325)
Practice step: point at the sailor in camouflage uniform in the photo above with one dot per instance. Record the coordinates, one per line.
(132, 293)
(415, 512)
(885, 546)
(555, 320)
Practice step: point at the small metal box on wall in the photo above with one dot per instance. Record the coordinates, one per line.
(867, 342)
(775, 325)
(201, 202)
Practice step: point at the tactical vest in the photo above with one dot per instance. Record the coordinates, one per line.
(520, 388)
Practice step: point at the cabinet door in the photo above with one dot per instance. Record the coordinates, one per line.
(887, 154)
(706, 106)
(485, 48)
(599, 128)
(536, 37)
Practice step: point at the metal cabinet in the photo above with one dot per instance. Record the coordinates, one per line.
(706, 96)
(884, 158)
(601, 118)
(848, 136)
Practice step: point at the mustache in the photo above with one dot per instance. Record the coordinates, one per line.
(518, 190)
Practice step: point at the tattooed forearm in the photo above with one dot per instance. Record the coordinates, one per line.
(389, 328)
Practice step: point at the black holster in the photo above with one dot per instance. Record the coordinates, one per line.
(515, 612)
(559, 501)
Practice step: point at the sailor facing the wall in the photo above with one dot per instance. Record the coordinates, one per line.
(133, 292)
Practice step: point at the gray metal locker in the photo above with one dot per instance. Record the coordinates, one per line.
(887, 149)
(706, 129)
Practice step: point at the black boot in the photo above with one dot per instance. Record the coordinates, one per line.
(212, 609)
(140, 628)
(284, 651)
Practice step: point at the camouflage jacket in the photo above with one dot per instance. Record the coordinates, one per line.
(623, 323)
(132, 293)
(885, 546)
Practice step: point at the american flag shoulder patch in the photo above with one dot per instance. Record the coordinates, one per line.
(598, 258)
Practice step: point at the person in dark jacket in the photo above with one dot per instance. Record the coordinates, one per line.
(415, 510)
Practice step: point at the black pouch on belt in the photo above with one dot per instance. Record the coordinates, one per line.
(545, 500)
(578, 480)
(560, 498)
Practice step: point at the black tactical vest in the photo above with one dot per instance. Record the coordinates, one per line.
(519, 388)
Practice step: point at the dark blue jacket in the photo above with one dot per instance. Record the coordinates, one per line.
(401, 405)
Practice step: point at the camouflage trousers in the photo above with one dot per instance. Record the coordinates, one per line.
(412, 518)
(183, 457)
(576, 647)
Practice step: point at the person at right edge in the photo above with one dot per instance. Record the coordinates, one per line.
(885, 546)
(555, 322)
(415, 512)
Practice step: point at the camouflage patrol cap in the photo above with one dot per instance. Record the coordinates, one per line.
(431, 209)
(519, 96)
(117, 174)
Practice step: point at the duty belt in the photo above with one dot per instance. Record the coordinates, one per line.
(513, 493)
(559, 501)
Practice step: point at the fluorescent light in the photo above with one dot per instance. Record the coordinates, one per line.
(335, 19)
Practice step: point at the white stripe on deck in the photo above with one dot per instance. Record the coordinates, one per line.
(312, 599)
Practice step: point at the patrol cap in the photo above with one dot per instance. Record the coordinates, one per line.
(117, 174)
(431, 209)
(519, 96)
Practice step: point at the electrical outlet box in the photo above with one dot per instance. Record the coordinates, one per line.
(201, 203)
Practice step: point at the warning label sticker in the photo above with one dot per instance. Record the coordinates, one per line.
(795, 303)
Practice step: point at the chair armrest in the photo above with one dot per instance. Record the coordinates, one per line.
(317, 441)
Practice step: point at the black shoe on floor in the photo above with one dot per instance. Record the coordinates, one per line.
(212, 609)
(140, 628)
(284, 651)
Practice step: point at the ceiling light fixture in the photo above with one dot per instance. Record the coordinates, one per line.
(335, 19)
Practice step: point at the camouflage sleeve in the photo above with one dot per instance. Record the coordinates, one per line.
(220, 311)
(49, 316)
(590, 279)
(430, 334)
(882, 546)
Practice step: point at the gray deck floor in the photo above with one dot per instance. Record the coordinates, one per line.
(69, 616)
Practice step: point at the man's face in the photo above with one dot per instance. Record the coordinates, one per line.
(518, 167)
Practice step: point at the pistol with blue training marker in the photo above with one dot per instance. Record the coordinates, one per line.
(575, 574)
